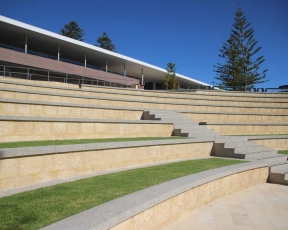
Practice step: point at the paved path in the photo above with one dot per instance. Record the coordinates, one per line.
(260, 207)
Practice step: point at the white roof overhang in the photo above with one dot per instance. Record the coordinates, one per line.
(48, 41)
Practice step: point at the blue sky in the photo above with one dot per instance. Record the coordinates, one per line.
(186, 32)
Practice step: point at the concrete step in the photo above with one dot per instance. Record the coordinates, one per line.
(250, 149)
(183, 124)
(170, 120)
(195, 128)
(262, 154)
(230, 152)
(239, 144)
(212, 134)
(279, 167)
(279, 177)
(169, 116)
(274, 160)
(195, 133)
(225, 139)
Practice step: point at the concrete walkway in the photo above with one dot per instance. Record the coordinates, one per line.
(260, 207)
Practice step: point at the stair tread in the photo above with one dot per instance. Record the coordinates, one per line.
(280, 171)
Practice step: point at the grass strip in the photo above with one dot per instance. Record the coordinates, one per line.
(41, 207)
(283, 151)
(80, 141)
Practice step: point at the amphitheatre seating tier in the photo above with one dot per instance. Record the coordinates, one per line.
(159, 206)
(226, 128)
(199, 94)
(26, 128)
(272, 142)
(41, 108)
(115, 101)
(32, 165)
(200, 116)
(147, 96)
(48, 114)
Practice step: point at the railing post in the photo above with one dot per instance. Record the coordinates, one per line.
(4, 71)
(28, 74)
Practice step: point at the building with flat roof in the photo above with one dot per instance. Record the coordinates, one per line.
(30, 52)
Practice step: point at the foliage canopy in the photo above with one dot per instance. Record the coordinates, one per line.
(73, 30)
(240, 70)
(106, 43)
(170, 81)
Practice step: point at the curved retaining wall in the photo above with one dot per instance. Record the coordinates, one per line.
(159, 206)
(33, 165)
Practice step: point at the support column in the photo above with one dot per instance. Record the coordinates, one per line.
(85, 60)
(48, 74)
(106, 65)
(26, 40)
(142, 76)
(154, 85)
(28, 74)
(58, 56)
(4, 71)
(124, 69)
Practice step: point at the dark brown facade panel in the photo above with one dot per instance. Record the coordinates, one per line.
(63, 67)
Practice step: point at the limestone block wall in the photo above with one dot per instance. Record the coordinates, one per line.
(24, 108)
(200, 94)
(41, 164)
(19, 129)
(146, 97)
(166, 213)
(55, 97)
(249, 129)
(208, 94)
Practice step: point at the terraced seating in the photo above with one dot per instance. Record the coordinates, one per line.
(198, 94)
(116, 100)
(41, 110)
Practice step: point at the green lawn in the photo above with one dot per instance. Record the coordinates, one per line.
(283, 151)
(39, 208)
(81, 141)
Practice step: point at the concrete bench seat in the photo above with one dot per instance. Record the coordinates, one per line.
(78, 99)
(28, 128)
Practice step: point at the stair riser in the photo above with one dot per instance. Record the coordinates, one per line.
(240, 144)
(226, 139)
(259, 155)
(277, 179)
(250, 149)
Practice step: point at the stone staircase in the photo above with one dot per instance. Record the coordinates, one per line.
(225, 146)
